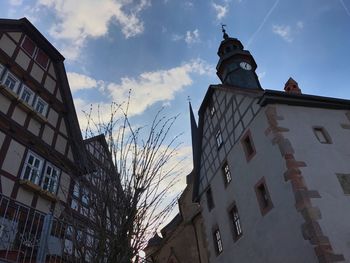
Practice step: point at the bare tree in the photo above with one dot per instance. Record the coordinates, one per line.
(128, 194)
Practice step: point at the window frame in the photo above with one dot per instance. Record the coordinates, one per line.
(217, 239)
(264, 199)
(14, 77)
(237, 230)
(25, 50)
(325, 134)
(226, 172)
(45, 108)
(44, 176)
(218, 138)
(248, 147)
(40, 169)
(25, 88)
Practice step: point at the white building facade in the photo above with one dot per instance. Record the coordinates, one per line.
(272, 169)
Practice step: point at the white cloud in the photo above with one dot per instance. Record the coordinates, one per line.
(80, 82)
(147, 89)
(283, 31)
(300, 24)
(16, 2)
(81, 19)
(221, 10)
(261, 75)
(192, 37)
(176, 37)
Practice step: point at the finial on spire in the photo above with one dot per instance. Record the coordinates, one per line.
(225, 36)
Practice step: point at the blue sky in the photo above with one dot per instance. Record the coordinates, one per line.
(165, 50)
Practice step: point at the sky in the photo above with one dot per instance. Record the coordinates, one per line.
(165, 50)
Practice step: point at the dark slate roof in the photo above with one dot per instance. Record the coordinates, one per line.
(265, 97)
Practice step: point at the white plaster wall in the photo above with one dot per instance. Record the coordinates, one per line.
(50, 84)
(15, 35)
(43, 205)
(37, 73)
(4, 103)
(34, 126)
(19, 115)
(323, 162)
(48, 135)
(2, 138)
(13, 158)
(52, 117)
(61, 144)
(7, 186)
(275, 237)
(63, 188)
(23, 59)
(7, 45)
(24, 196)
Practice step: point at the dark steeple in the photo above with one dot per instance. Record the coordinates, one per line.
(194, 135)
(236, 66)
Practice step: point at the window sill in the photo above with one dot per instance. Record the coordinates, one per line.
(26, 107)
(8, 93)
(37, 189)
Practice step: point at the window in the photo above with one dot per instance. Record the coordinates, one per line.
(236, 223)
(42, 59)
(32, 168)
(322, 135)
(212, 109)
(81, 199)
(11, 82)
(27, 95)
(217, 241)
(344, 180)
(28, 46)
(50, 178)
(227, 173)
(263, 196)
(248, 146)
(40, 106)
(210, 201)
(218, 138)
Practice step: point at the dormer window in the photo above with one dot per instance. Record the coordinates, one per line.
(42, 59)
(11, 82)
(28, 46)
(27, 95)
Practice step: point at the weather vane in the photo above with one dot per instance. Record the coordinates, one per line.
(224, 31)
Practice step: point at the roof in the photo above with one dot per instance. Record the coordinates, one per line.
(26, 26)
(265, 97)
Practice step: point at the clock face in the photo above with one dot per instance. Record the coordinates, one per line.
(245, 65)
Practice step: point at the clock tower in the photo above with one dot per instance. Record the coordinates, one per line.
(236, 66)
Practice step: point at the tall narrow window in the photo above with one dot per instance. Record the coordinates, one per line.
(32, 168)
(27, 95)
(217, 241)
(248, 146)
(236, 223)
(50, 178)
(11, 82)
(227, 173)
(263, 196)
(218, 138)
(322, 135)
(210, 201)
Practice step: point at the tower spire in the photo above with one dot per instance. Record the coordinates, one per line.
(225, 35)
